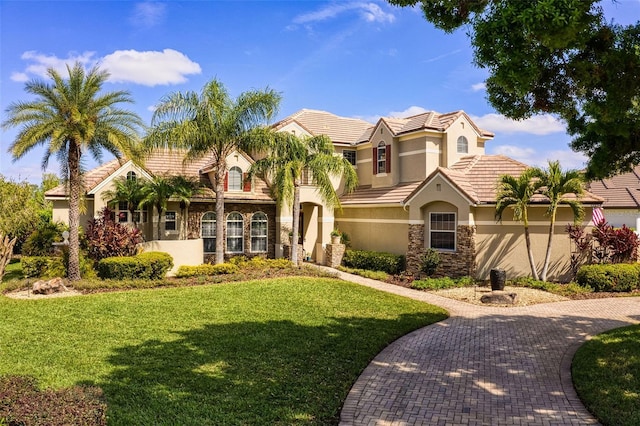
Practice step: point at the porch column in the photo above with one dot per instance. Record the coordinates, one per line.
(415, 248)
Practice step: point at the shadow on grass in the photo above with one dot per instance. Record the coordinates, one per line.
(606, 373)
(259, 373)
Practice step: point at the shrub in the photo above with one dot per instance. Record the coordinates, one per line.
(150, 266)
(618, 277)
(442, 283)
(260, 262)
(22, 403)
(206, 269)
(108, 238)
(54, 266)
(429, 261)
(374, 261)
(161, 263)
(40, 242)
(34, 266)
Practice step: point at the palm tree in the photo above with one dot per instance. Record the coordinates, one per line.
(71, 116)
(211, 124)
(516, 192)
(128, 190)
(556, 184)
(184, 189)
(156, 193)
(288, 157)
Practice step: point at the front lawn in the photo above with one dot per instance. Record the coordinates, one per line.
(282, 351)
(606, 374)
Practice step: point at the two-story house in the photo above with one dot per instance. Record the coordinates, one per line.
(425, 182)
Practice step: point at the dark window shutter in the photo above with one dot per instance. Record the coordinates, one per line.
(247, 183)
(388, 162)
(226, 181)
(375, 161)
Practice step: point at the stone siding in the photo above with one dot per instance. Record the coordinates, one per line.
(197, 210)
(460, 263)
(335, 252)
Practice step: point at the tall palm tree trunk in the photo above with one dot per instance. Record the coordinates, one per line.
(547, 256)
(220, 172)
(73, 269)
(296, 222)
(527, 238)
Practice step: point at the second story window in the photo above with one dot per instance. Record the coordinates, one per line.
(382, 159)
(463, 145)
(350, 155)
(235, 179)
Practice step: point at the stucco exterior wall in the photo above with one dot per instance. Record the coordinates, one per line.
(364, 163)
(461, 127)
(375, 228)
(502, 245)
(439, 190)
(184, 252)
(619, 217)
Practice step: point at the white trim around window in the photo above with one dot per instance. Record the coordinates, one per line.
(442, 231)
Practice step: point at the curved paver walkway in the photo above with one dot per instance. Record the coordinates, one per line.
(483, 365)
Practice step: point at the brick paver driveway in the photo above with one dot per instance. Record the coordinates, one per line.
(483, 365)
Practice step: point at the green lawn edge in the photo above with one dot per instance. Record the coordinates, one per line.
(606, 374)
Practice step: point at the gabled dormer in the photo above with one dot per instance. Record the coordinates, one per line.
(236, 177)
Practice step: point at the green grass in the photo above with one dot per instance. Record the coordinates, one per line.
(283, 351)
(606, 374)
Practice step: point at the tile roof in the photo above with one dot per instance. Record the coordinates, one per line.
(170, 163)
(620, 191)
(432, 120)
(476, 177)
(339, 129)
(368, 195)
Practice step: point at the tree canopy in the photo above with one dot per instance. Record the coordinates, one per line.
(560, 57)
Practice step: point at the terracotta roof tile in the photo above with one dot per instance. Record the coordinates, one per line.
(170, 163)
(368, 195)
(477, 176)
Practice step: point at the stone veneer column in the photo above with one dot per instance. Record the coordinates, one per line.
(460, 263)
(335, 252)
(415, 248)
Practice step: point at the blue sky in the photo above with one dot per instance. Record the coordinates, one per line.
(361, 59)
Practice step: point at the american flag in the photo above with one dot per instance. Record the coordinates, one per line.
(597, 216)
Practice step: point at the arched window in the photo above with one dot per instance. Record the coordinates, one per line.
(235, 233)
(463, 145)
(235, 179)
(208, 231)
(132, 176)
(382, 158)
(259, 232)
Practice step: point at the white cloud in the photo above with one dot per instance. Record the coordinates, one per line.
(370, 12)
(411, 111)
(148, 14)
(537, 125)
(478, 87)
(20, 77)
(40, 63)
(568, 159)
(149, 68)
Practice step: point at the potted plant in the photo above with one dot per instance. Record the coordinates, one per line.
(335, 236)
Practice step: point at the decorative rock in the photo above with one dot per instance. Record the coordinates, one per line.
(55, 285)
(499, 298)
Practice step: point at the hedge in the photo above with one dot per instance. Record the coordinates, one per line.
(53, 266)
(151, 265)
(206, 269)
(614, 277)
(374, 261)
